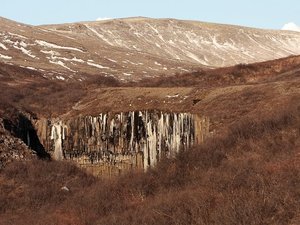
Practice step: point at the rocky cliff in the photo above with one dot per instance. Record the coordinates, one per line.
(15, 137)
(121, 141)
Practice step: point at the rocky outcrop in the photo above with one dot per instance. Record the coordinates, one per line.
(122, 140)
(12, 148)
(20, 125)
(108, 143)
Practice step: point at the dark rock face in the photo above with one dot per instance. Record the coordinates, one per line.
(124, 140)
(109, 143)
(11, 147)
(21, 127)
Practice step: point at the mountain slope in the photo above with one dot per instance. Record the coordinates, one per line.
(135, 48)
(202, 43)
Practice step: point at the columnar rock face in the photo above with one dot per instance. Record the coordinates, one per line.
(123, 140)
(58, 134)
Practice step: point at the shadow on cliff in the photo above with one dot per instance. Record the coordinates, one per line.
(21, 127)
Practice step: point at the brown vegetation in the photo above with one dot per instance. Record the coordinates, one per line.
(234, 75)
(28, 90)
(247, 175)
(250, 175)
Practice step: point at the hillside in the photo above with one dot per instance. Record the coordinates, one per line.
(249, 175)
(135, 48)
(149, 121)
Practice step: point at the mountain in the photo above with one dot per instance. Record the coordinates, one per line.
(132, 49)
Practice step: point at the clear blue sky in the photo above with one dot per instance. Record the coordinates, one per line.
(255, 13)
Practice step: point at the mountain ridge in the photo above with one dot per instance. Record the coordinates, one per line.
(131, 49)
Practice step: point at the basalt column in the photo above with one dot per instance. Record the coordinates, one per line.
(133, 139)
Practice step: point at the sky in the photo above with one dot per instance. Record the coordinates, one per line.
(270, 14)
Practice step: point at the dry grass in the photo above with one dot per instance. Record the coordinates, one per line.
(250, 175)
(28, 90)
(220, 77)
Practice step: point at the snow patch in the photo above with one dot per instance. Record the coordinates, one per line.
(50, 45)
(114, 61)
(23, 44)
(173, 96)
(55, 56)
(25, 51)
(185, 70)
(136, 64)
(5, 57)
(8, 41)
(97, 65)
(98, 34)
(60, 78)
(3, 46)
(60, 63)
(75, 60)
(31, 68)
(17, 35)
(194, 57)
(52, 53)
(136, 48)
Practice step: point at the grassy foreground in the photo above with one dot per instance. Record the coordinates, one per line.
(249, 175)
